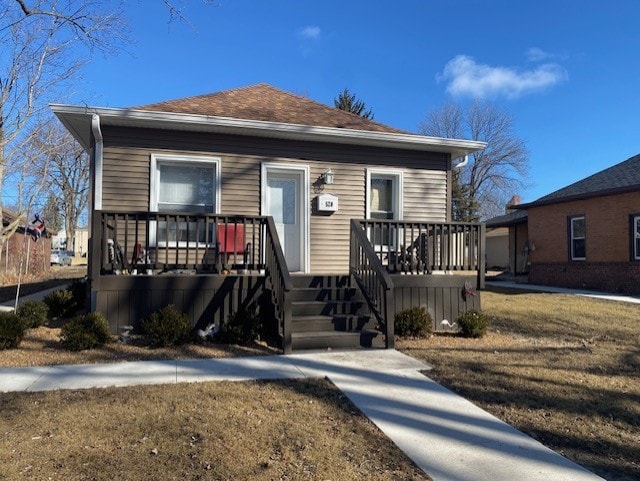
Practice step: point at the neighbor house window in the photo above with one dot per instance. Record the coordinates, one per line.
(635, 237)
(384, 202)
(185, 184)
(577, 238)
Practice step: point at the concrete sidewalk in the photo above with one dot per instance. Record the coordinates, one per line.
(564, 290)
(448, 437)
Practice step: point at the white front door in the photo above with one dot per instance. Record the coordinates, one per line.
(284, 193)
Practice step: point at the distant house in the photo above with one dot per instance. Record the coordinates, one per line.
(587, 235)
(22, 253)
(507, 241)
(255, 196)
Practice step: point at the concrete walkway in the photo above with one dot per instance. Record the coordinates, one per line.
(563, 290)
(448, 437)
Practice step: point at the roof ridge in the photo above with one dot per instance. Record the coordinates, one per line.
(342, 112)
(346, 115)
(200, 96)
(605, 180)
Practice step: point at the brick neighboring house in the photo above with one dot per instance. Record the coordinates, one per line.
(587, 235)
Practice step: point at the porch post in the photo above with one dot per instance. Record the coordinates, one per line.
(481, 256)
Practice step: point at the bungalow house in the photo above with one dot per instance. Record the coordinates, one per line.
(328, 221)
(587, 235)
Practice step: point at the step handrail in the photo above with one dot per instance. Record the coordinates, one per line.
(373, 280)
(279, 279)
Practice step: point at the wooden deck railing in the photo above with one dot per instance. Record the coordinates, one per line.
(279, 281)
(405, 247)
(373, 280)
(140, 242)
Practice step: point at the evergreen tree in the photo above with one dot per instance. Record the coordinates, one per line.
(347, 101)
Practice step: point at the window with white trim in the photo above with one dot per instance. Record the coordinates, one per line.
(578, 238)
(186, 184)
(635, 236)
(384, 201)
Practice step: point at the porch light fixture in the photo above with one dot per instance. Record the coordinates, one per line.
(327, 177)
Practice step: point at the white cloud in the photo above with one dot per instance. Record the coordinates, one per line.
(466, 77)
(311, 32)
(535, 54)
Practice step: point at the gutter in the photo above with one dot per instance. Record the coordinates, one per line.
(463, 163)
(206, 123)
(98, 152)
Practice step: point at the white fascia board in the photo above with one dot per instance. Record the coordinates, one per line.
(204, 123)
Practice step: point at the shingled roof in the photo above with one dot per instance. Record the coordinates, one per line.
(505, 220)
(267, 103)
(620, 178)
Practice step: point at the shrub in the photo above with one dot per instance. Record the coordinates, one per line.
(78, 289)
(60, 303)
(413, 322)
(11, 330)
(242, 327)
(32, 313)
(85, 332)
(473, 323)
(166, 327)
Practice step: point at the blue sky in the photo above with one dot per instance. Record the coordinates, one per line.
(566, 70)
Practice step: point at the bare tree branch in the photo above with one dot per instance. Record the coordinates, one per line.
(493, 174)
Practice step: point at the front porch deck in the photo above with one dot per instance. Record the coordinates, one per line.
(209, 266)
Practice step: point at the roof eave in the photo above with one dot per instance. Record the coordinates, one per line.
(73, 117)
(586, 195)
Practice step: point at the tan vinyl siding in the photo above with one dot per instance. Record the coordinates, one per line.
(425, 195)
(126, 179)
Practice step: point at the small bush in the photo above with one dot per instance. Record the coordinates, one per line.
(33, 313)
(167, 327)
(85, 332)
(60, 303)
(473, 323)
(242, 327)
(11, 330)
(78, 289)
(413, 322)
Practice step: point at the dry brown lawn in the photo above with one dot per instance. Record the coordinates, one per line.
(563, 369)
(281, 430)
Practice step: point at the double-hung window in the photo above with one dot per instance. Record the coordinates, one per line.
(188, 185)
(384, 202)
(577, 238)
(635, 237)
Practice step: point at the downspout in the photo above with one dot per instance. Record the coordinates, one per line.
(463, 163)
(95, 204)
(97, 173)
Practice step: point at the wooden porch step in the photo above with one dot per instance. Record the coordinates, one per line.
(317, 323)
(324, 340)
(323, 293)
(336, 340)
(326, 281)
(325, 308)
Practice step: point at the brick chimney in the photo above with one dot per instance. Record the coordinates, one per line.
(515, 200)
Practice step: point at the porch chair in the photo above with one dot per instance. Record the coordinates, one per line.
(229, 245)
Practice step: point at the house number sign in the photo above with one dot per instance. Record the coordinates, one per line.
(328, 203)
